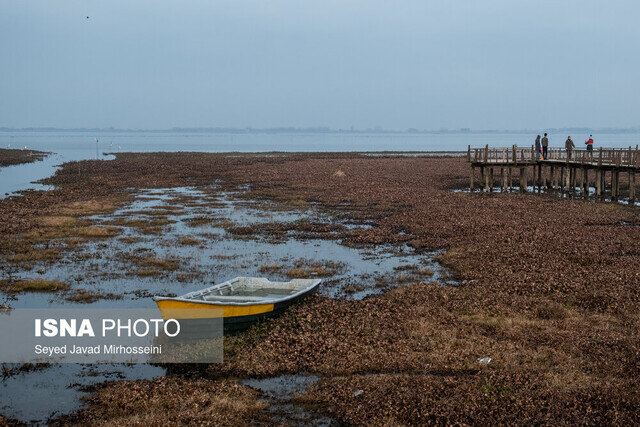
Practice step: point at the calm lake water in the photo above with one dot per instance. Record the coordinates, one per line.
(77, 146)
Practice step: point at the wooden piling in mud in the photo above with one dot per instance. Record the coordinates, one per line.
(473, 173)
(491, 180)
(486, 179)
(523, 180)
(579, 180)
(570, 177)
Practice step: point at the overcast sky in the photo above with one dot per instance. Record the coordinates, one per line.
(485, 64)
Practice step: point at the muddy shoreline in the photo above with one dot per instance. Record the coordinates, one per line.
(548, 290)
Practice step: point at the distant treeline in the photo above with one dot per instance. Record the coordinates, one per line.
(320, 129)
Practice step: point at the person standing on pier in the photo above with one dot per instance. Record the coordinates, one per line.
(569, 146)
(545, 146)
(589, 143)
(538, 150)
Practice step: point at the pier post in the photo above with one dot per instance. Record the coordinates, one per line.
(585, 182)
(523, 179)
(598, 182)
(573, 179)
(562, 178)
(473, 173)
(510, 179)
(554, 178)
(579, 180)
(600, 156)
(539, 177)
(491, 181)
(503, 181)
(632, 187)
(614, 185)
(546, 179)
(486, 179)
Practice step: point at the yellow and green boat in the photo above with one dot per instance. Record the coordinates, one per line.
(240, 302)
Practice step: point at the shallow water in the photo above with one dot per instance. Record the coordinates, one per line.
(105, 266)
(36, 396)
(280, 391)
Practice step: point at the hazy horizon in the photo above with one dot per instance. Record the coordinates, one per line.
(426, 65)
(311, 129)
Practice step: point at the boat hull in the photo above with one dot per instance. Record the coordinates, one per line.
(235, 317)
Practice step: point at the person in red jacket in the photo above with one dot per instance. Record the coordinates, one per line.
(589, 143)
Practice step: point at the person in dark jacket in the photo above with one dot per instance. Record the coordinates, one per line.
(538, 149)
(569, 146)
(545, 145)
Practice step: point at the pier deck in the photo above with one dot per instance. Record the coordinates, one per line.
(560, 171)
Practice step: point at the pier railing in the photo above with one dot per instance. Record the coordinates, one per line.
(613, 157)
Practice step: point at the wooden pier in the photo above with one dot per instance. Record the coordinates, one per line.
(572, 173)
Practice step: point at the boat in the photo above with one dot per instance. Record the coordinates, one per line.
(240, 302)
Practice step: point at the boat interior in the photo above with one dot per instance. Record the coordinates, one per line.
(247, 289)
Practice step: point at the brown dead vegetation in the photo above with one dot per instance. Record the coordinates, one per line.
(171, 401)
(36, 254)
(12, 156)
(90, 207)
(32, 285)
(98, 232)
(548, 290)
(189, 241)
(270, 268)
(88, 297)
(304, 269)
(164, 264)
(58, 221)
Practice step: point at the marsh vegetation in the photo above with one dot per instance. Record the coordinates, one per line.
(545, 288)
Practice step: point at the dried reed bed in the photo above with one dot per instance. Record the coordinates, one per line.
(32, 285)
(549, 290)
(171, 401)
